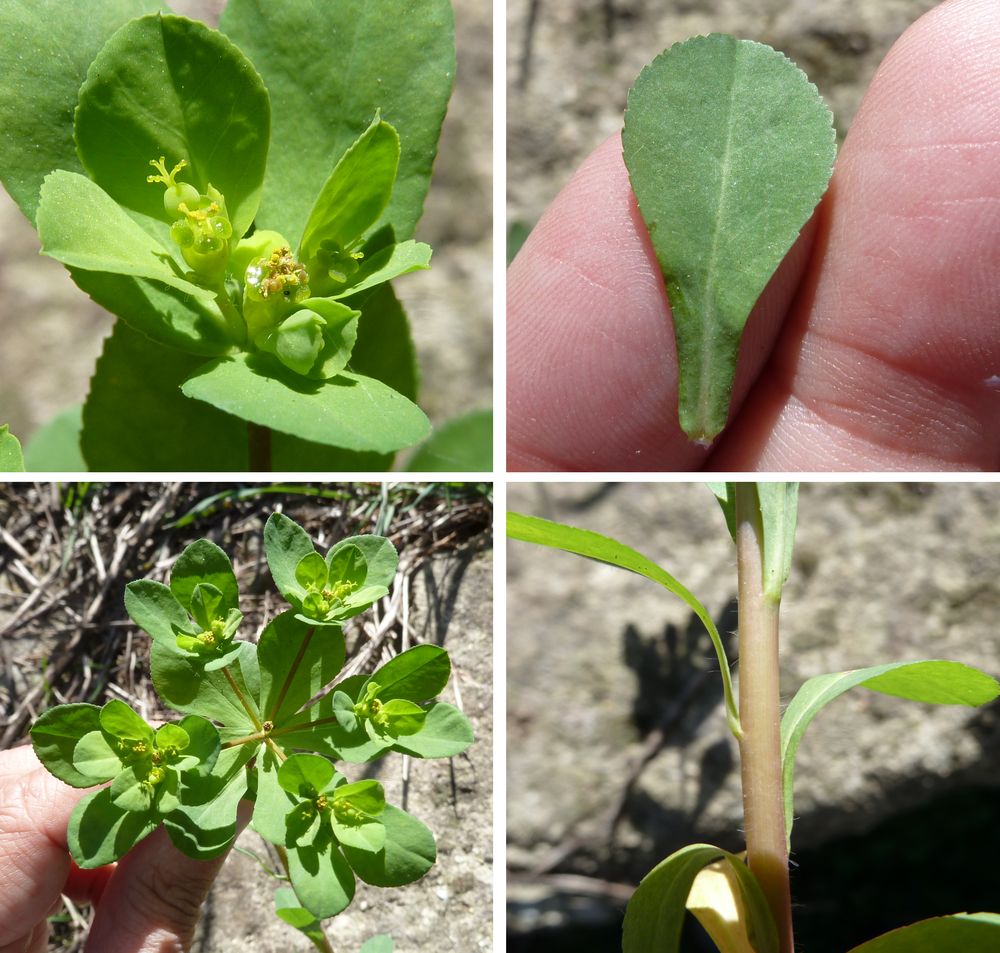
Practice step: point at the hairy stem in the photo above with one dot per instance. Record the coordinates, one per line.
(290, 677)
(259, 448)
(760, 747)
(242, 698)
(324, 944)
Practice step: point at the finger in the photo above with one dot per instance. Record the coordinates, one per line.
(34, 859)
(891, 359)
(591, 360)
(153, 901)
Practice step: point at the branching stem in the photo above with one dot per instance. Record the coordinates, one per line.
(760, 747)
(242, 698)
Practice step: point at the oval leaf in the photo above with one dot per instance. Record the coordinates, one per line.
(348, 59)
(11, 456)
(46, 47)
(656, 911)
(416, 675)
(55, 735)
(169, 86)
(932, 681)
(350, 411)
(204, 562)
(729, 148)
(408, 854)
(445, 733)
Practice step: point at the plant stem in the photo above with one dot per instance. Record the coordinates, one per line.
(259, 448)
(760, 747)
(324, 944)
(242, 698)
(235, 325)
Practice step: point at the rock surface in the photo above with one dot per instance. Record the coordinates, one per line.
(598, 657)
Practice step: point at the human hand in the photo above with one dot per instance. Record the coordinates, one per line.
(147, 903)
(876, 344)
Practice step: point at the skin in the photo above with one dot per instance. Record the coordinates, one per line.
(876, 345)
(149, 902)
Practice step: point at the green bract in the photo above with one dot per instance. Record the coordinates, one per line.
(263, 721)
(242, 231)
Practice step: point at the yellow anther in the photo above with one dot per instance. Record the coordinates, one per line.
(167, 178)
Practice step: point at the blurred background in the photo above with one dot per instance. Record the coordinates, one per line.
(617, 747)
(67, 552)
(52, 333)
(570, 64)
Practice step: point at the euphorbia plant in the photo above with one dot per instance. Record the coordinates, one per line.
(267, 722)
(239, 198)
(744, 901)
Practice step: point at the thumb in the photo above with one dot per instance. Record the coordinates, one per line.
(153, 900)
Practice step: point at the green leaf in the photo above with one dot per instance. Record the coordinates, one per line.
(289, 909)
(408, 854)
(84, 227)
(350, 411)
(932, 681)
(55, 735)
(55, 447)
(204, 562)
(136, 418)
(462, 444)
(729, 148)
(119, 720)
(655, 914)
(959, 933)
(318, 728)
(347, 564)
(403, 717)
(583, 542)
(11, 457)
(318, 652)
(311, 571)
(365, 835)
(380, 557)
(171, 735)
(273, 802)
(100, 833)
(302, 771)
(366, 795)
(387, 264)
(446, 732)
(154, 608)
(378, 944)
(322, 878)
(203, 747)
(165, 315)
(725, 495)
(340, 333)
(94, 758)
(203, 825)
(778, 508)
(416, 675)
(356, 193)
(191, 689)
(130, 792)
(348, 60)
(286, 544)
(384, 349)
(168, 86)
(46, 47)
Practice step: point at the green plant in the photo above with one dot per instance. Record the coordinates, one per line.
(240, 199)
(746, 905)
(729, 148)
(263, 721)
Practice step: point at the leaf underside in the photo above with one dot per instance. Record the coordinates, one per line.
(729, 148)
